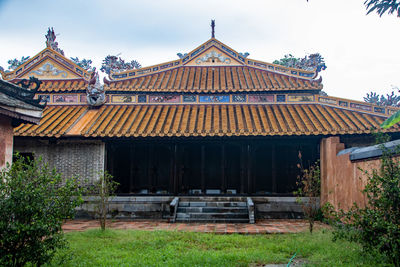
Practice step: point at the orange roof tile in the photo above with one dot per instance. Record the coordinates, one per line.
(213, 79)
(200, 120)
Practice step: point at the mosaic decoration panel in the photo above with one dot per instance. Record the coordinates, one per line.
(300, 98)
(261, 98)
(239, 98)
(360, 106)
(123, 99)
(165, 99)
(189, 98)
(65, 98)
(328, 100)
(214, 99)
(281, 98)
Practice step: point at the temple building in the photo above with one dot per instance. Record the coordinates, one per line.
(17, 106)
(212, 122)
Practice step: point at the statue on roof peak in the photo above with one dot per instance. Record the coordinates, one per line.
(51, 41)
(213, 28)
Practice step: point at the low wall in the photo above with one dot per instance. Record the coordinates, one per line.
(140, 207)
(157, 207)
(278, 207)
(342, 172)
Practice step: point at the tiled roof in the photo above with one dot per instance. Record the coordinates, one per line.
(196, 79)
(214, 79)
(63, 85)
(200, 120)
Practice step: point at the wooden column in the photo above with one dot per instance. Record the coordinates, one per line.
(131, 167)
(273, 168)
(203, 162)
(223, 167)
(175, 170)
(249, 162)
(242, 168)
(150, 167)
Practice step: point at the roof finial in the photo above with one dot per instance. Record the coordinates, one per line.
(213, 28)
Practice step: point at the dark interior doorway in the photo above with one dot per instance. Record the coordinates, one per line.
(210, 166)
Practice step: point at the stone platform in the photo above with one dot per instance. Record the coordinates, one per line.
(260, 227)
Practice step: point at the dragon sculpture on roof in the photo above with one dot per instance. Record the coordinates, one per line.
(51, 41)
(95, 94)
(114, 64)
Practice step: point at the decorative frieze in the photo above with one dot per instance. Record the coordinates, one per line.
(162, 99)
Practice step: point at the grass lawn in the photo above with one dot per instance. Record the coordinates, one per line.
(166, 248)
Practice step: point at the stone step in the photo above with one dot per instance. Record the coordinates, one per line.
(211, 204)
(213, 209)
(216, 215)
(214, 220)
(212, 199)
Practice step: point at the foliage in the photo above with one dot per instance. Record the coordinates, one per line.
(392, 120)
(15, 63)
(34, 201)
(180, 248)
(376, 226)
(309, 62)
(116, 64)
(103, 189)
(309, 186)
(383, 6)
(85, 64)
(390, 100)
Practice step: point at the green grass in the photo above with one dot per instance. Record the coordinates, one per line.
(164, 248)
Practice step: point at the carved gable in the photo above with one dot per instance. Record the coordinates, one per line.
(213, 56)
(50, 69)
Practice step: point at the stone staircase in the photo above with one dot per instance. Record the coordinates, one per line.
(212, 209)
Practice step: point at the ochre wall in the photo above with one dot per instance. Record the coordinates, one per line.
(6, 141)
(341, 179)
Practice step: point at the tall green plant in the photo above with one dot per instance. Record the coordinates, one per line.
(103, 190)
(34, 201)
(309, 187)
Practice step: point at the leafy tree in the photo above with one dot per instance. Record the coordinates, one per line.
(103, 189)
(34, 201)
(376, 226)
(383, 6)
(309, 186)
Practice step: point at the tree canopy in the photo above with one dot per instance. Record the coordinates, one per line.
(383, 6)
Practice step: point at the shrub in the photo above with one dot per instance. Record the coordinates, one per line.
(103, 189)
(34, 201)
(376, 226)
(309, 186)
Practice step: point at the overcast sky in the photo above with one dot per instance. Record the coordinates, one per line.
(361, 52)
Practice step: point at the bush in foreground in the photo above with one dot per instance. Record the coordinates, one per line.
(34, 201)
(377, 226)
